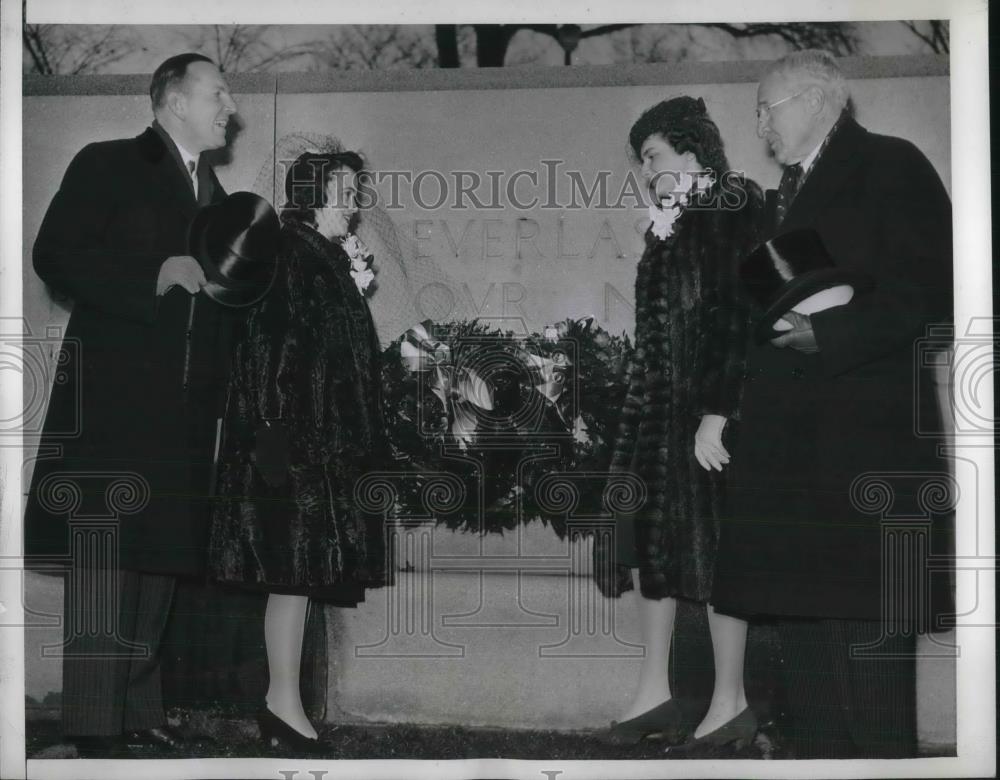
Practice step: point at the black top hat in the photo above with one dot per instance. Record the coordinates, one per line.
(786, 270)
(236, 242)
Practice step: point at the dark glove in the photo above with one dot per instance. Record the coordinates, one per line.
(271, 453)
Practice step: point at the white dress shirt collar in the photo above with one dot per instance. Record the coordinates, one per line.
(186, 156)
(811, 157)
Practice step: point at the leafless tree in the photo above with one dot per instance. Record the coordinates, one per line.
(379, 47)
(493, 40)
(246, 47)
(52, 49)
(934, 34)
(838, 38)
(654, 43)
(527, 48)
(677, 42)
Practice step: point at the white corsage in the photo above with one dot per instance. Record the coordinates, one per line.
(665, 213)
(361, 260)
(663, 218)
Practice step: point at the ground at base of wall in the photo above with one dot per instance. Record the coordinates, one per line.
(237, 736)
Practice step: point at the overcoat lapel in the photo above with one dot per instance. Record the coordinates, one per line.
(168, 174)
(832, 171)
(206, 185)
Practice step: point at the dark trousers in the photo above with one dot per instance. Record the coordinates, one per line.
(111, 662)
(844, 705)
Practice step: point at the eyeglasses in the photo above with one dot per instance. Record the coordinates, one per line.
(764, 111)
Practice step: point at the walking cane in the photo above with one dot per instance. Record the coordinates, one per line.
(187, 345)
(188, 337)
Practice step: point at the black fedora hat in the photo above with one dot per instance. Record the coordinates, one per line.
(786, 270)
(236, 242)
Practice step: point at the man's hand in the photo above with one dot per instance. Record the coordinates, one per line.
(800, 337)
(708, 447)
(181, 270)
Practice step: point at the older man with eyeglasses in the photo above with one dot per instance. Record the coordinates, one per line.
(829, 413)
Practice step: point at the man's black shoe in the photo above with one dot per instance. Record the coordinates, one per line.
(166, 737)
(100, 747)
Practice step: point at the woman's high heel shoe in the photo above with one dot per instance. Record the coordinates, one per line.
(737, 732)
(661, 722)
(277, 734)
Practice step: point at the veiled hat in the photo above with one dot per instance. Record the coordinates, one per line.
(411, 286)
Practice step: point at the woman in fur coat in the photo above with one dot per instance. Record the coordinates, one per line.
(684, 390)
(303, 424)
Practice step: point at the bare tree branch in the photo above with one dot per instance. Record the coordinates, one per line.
(552, 30)
(837, 37)
(246, 47)
(605, 29)
(493, 40)
(936, 37)
(89, 49)
(35, 47)
(677, 42)
(61, 49)
(376, 47)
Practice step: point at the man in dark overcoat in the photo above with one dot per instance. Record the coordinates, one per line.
(833, 490)
(123, 500)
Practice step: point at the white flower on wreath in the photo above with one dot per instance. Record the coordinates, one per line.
(361, 260)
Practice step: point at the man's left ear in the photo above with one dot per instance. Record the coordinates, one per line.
(816, 99)
(176, 103)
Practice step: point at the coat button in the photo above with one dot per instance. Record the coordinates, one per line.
(798, 373)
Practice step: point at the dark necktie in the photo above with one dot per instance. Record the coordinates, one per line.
(192, 167)
(789, 186)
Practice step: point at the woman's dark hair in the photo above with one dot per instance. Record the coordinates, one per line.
(306, 180)
(684, 123)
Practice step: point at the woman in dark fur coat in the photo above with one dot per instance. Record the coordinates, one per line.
(303, 423)
(684, 388)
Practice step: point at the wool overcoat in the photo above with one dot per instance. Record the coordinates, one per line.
(123, 438)
(832, 484)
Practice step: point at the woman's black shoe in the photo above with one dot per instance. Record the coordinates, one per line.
(277, 734)
(663, 721)
(737, 732)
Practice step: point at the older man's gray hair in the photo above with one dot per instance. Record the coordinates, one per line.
(815, 66)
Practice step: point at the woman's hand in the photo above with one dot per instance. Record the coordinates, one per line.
(708, 447)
